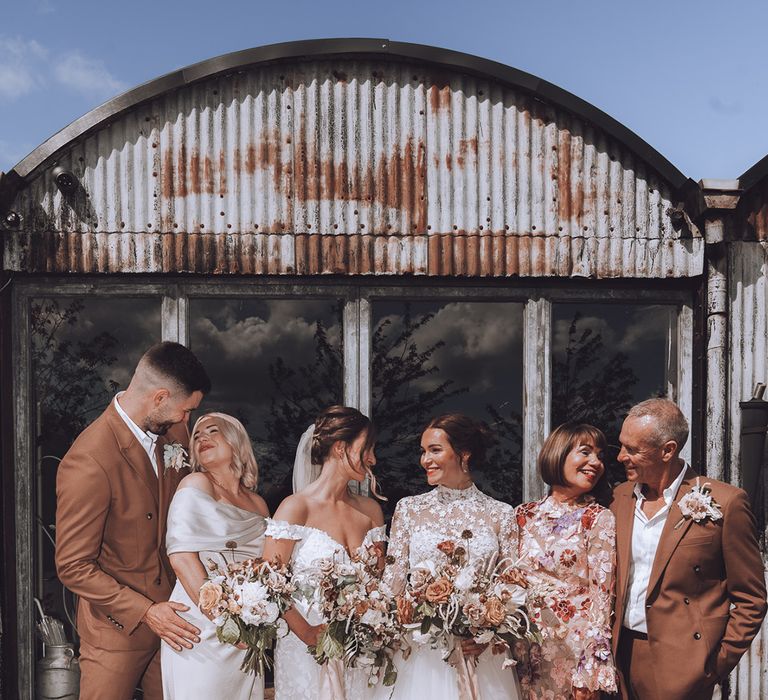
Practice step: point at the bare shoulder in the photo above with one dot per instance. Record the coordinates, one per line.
(196, 480)
(370, 507)
(293, 509)
(261, 505)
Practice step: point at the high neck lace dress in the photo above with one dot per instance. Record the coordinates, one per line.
(297, 674)
(223, 533)
(420, 523)
(568, 555)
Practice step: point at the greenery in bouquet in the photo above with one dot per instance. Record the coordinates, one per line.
(362, 627)
(449, 596)
(246, 600)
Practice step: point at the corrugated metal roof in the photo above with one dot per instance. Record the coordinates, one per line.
(753, 211)
(352, 166)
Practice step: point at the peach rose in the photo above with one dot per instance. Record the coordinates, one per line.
(439, 591)
(210, 595)
(447, 547)
(495, 613)
(404, 610)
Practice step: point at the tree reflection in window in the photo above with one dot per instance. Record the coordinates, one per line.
(605, 358)
(274, 364)
(431, 358)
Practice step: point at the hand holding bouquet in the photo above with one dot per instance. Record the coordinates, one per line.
(361, 629)
(451, 598)
(245, 600)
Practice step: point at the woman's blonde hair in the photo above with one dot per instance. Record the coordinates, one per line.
(243, 460)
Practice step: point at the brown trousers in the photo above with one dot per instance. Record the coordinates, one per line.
(115, 674)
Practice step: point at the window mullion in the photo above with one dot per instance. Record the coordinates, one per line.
(537, 390)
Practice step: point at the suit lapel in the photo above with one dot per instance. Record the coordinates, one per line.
(625, 518)
(132, 451)
(673, 531)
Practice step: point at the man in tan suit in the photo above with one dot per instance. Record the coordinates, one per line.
(113, 489)
(690, 592)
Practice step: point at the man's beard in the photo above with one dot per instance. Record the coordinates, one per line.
(155, 426)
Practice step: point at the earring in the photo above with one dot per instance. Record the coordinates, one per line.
(464, 467)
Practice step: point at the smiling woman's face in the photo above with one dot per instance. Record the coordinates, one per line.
(440, 460)
(210, 447)
(582, 468)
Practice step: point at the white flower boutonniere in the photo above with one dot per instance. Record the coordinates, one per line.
(175, 457)
(698, 505)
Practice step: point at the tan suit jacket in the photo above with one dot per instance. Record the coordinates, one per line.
(706, 595)
(110, 531)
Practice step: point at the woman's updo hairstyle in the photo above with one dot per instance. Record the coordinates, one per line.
(465, 435)
(343, 424)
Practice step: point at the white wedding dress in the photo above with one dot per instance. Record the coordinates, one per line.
(297, 674)
(223, 533)
(487, 529)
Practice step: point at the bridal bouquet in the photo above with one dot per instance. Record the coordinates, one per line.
(245, 600)
(362, 629)
(455, 599)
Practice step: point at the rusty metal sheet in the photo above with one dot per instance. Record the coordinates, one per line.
(351, 167)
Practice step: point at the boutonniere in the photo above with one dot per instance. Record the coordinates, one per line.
(175, 457)
(698, 505)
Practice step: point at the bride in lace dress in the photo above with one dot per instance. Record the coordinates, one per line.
(323, 519)
(457, 510)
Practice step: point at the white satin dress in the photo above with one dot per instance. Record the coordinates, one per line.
(220, 532)
(297, 674)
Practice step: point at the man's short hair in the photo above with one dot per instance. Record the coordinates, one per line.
(175, 362)
(669, 421)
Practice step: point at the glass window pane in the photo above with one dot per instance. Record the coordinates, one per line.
(274, 364)
(605, 358)
(434, 357)
(83, 351)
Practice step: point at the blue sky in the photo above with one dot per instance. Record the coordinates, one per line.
(688, 77)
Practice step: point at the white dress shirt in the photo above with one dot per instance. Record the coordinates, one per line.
(148, 440)
(645, 540)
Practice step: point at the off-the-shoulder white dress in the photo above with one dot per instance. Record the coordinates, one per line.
(297, 674)
(221, 532)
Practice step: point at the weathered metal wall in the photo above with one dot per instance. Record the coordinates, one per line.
(748, 332)
(754, 205)
(352, 166)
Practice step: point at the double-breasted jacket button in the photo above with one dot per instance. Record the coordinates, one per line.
(687, 601)
(696, 635)
(149, 516)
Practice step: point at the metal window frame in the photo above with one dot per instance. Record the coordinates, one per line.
(358, 295)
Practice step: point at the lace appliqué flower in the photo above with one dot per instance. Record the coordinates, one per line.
(698, 505)
(174, 457)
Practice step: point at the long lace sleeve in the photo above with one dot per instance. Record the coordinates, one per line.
(595, 669)
(396, 571)
(509, 534)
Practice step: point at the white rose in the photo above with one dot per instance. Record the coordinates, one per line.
(465, 579)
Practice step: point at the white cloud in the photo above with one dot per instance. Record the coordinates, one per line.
(86, 75)
(26, 66)
(22, 66)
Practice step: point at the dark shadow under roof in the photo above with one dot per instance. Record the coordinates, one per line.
(319, 48)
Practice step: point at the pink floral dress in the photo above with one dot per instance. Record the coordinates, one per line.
(568, 553)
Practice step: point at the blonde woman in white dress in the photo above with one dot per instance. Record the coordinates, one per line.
(215, 515)
(324, 518)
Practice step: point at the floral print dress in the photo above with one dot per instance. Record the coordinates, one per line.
(568, 554)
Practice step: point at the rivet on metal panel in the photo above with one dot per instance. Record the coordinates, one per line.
(202, 226)
(335, 226)
(229, 225)
(222, 213)
(533, 228)
(175, 226)
(149, 225)
(255, 226)
(506, 227)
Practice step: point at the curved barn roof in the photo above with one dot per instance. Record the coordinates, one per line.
(349, 156)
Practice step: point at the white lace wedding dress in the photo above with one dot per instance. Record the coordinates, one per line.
(296, 671)
(487, 528)
(223, 533)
